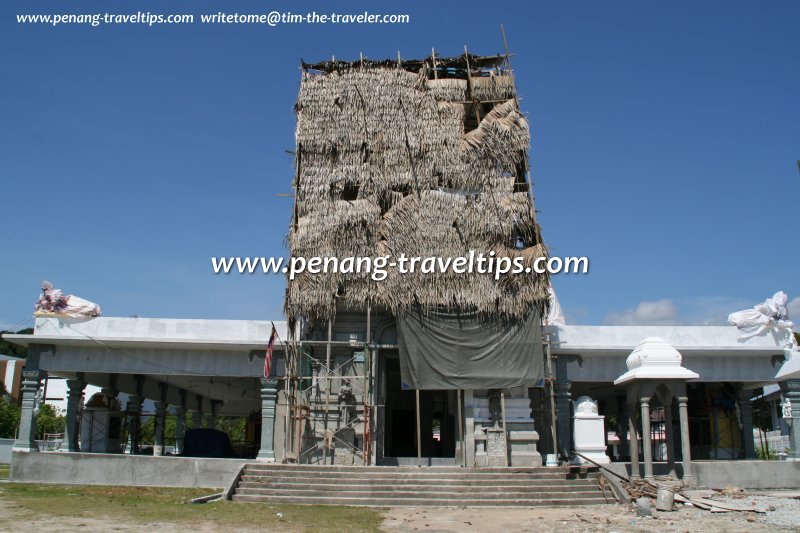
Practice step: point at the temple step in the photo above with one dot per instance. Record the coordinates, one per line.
(412, 486)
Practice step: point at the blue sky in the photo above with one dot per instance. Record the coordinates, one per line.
(665, 140)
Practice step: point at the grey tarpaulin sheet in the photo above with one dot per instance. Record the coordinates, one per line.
(451, 350)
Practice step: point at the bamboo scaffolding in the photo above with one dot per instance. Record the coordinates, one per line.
(384, 167)
(419, 432)
(327, 390)
(505, 432)
(471, 85)
(463, 458)
(552, 394)
(367, 372)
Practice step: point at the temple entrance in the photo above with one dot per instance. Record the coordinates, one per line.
(438, 424)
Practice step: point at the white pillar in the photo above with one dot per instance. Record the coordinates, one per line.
(686, 449)
(670, 439)
(469, 426)
(633, 443)
(646, 442)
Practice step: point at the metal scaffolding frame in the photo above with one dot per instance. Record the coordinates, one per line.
(311, 383)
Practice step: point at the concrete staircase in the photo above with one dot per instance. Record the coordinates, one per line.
(412, 486)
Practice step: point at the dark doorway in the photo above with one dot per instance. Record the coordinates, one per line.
(437, 418)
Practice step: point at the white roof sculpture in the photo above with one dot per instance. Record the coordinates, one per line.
(555, 316)
(654, 358)
(586, 407)
(771, 314)
(54, 303)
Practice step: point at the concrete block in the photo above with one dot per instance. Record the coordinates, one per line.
(126, 470)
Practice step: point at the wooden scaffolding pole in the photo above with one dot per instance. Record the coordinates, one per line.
(287, 416)
(503, 412)
(366, 435)
(505, 47)
(292, 397)
(552, 395)
(419, 434)
(463, 459)
(327, 392)
(299, 407)
(476, 102)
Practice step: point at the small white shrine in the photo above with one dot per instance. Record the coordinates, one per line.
(655, 371)
(589, 432)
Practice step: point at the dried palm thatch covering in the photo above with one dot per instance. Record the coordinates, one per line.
(448, 89)
(494, 88)
(385, 167)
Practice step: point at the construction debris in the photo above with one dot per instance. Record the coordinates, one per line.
(643, 507)
(701, 499)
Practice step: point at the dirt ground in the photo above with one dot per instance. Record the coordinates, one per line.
(605, 518)
(783, 515)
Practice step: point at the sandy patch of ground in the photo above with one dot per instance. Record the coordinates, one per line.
(605, 518)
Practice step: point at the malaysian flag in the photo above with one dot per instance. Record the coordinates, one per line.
(268, 357)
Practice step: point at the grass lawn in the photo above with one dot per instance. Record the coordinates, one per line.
(4, 468)
(136, 505)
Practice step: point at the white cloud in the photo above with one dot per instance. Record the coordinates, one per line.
(658, 313)
(794, 311)
(692, 311)
(711, 310)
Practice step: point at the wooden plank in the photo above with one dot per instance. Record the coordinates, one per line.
(681, 499)
(471, 86)
(728, 506)
(698, 493)
(209, 498)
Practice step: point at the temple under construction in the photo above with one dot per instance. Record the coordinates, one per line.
(407, 158)
(423, 158)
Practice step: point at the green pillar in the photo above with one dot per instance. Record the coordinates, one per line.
(791, 391)
(563, 407)
(31, 378)
(269, 393)
(26, 438)
(158, 437)
(74, 394)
